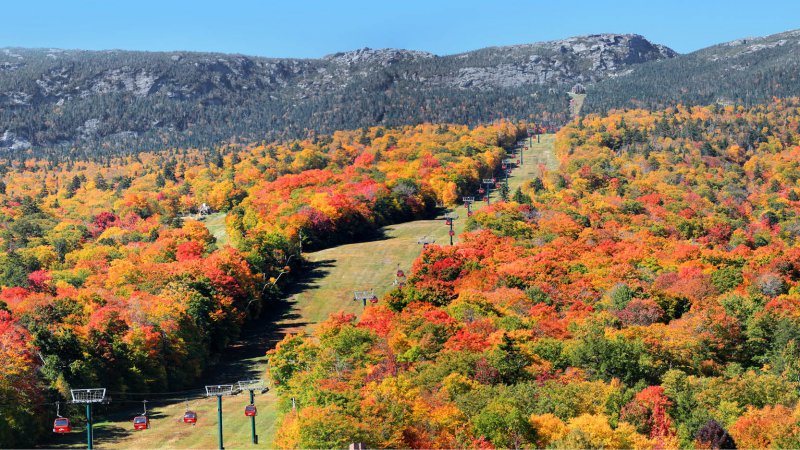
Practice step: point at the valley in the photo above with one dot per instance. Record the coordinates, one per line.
(326, 288)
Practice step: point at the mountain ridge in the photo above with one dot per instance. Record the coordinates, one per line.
(128, 100)
(65, 103)
(748, 70)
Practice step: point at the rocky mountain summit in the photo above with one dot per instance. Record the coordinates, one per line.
(127, 100)
(747, 71)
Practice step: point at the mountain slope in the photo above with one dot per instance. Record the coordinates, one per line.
(60, 99)
(746, 71)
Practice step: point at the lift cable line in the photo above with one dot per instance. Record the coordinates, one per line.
(198, 390)
(141, 421)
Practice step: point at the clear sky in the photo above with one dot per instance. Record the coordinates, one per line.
(306, 28)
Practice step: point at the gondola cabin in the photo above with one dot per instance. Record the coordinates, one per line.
(61, 425)
(374, 299)
(400, 274)
(190, 417)
(250, 411)
(141, 423)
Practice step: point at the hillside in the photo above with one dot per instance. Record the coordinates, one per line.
(55, 103)
(105, 281)
(748, 71)
(100, 101)
(643, 294)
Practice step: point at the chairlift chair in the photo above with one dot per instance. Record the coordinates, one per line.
(190, 417)
(141, 423)
(61, 425)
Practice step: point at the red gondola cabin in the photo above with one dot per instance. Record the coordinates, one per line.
(61, 425)
(190, 417)
(400, 274)
(141, 423)
(250, 410)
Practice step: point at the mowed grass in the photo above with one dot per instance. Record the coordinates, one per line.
(216, 225)
(539, 155)
(577, 103)
(335, 273)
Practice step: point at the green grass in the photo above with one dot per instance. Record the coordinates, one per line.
(540, 153)
(335, 274)
(577, 104)
(216, 225)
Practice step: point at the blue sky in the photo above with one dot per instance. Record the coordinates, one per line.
(301, 28)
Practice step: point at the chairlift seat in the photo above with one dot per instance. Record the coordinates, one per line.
(141, 423)
(61, 425)
(189, 417)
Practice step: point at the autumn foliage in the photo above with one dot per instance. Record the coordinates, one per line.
(646, 296)
(107, 280)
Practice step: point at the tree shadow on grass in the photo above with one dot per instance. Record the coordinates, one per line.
(245, 358)
(105, 433)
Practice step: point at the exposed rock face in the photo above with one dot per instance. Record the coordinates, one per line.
(90, 98)
(11, 141)
(578, 59)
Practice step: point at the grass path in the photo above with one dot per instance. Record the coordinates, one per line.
(576, 103)
(328, 288)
